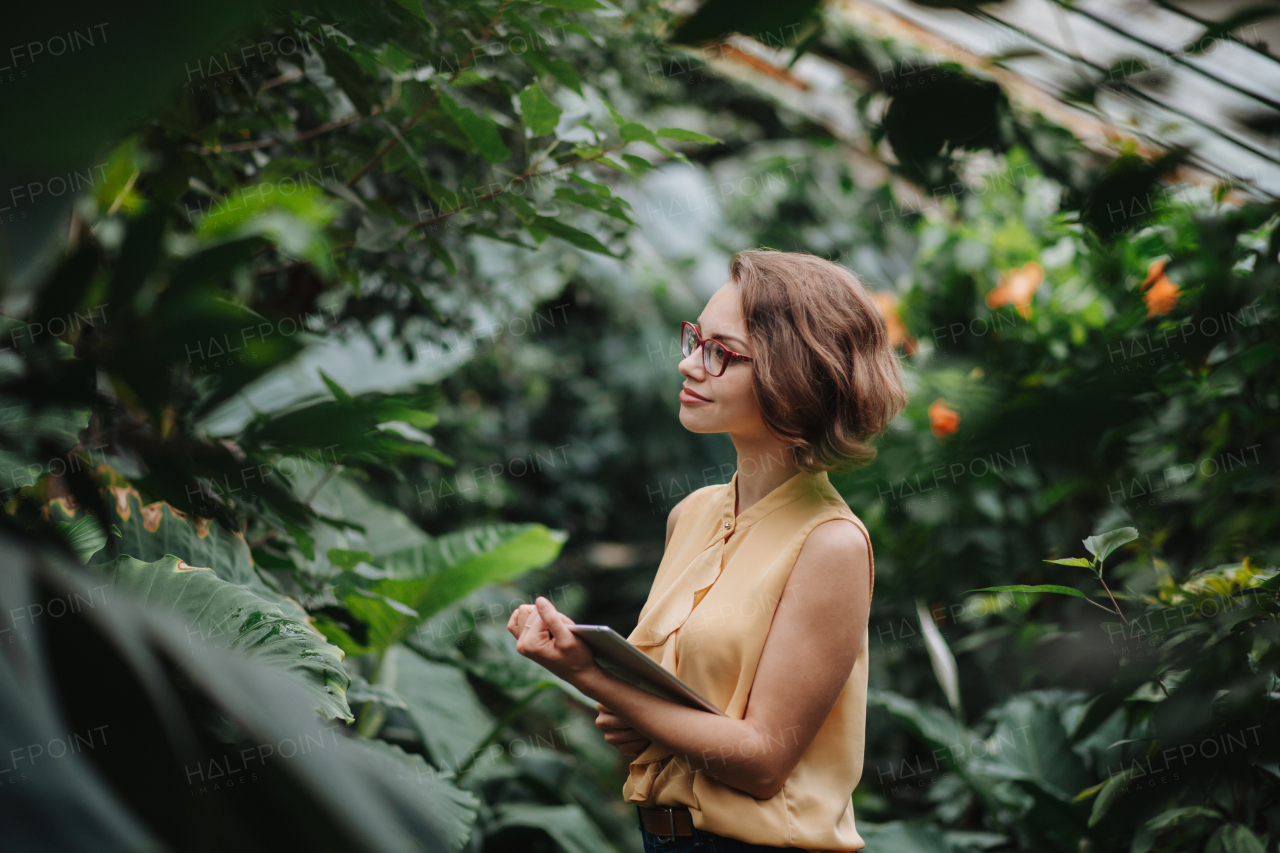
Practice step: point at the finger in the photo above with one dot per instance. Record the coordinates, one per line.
(624, 736)
(531, 636)
(634, 746)
(555, 623)
(609, 721)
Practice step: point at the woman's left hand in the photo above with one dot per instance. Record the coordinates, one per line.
(542, 635)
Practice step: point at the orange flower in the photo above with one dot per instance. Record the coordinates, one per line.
(1160, 294)
(886, 303)
(944, 419)
(1016, 287)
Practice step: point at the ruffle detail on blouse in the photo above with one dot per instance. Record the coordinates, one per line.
(670, 610)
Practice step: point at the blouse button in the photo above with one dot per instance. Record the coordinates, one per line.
(726, 524)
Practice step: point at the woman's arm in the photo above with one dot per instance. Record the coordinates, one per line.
(810, 650)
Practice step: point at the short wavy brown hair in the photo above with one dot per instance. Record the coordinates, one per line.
(826, 375)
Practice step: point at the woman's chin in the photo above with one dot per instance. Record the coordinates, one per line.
(692, 420)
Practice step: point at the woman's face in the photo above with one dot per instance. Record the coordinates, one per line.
(725, 403)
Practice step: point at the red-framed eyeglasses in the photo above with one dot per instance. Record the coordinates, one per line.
(715, 355)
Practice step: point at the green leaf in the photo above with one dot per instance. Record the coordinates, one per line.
(85, 536)
(574, 5)
(540, 115)
(568, 826)
(24, 427)
(572, 235)
(414, 7)
(1111, 792)
(419, 789)
(441, 254)
(156, 530)
(481, 130)
(1235, 838)
(932, 725)
(1103, 544)
(335, 389)
(230, 616)
(294, 221)
(635, 132)
(638, 165)
(617, 116)
(1044, 587)
(609, 207)
(383, 694)
(685, 136)
(524, 211)
(899, 836)
(443, 706)
(161, 709)
(1072, 561)
(1144, 839)
(347, 73)
(544, 65)
(431, 576)
(1031, 745)
(348, 559)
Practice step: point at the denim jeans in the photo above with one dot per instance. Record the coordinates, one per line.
(702, 842)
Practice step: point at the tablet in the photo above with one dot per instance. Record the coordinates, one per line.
(633, 666)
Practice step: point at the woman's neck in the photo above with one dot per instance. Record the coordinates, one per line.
(761, 469)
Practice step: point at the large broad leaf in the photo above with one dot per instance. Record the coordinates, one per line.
(568, 826)
(224, 614)
(84, 535)
(442, 705)
(421, 789)
(431, 576)
(904, 837)
(25, 428)
(1030, 744)
(151, 532)
(379, 529)
(932, 725)
(191, 748)
(478, 623)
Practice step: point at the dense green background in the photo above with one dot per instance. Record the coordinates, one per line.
(491, 250)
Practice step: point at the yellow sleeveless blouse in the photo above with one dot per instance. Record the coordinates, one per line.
(706, 619)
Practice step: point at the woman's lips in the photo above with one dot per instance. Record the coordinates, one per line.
(690, 398)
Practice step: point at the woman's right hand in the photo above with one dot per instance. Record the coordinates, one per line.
(618, 734)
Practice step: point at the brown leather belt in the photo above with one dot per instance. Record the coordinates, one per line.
(666, 821)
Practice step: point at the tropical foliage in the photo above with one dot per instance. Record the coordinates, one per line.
(363, 330)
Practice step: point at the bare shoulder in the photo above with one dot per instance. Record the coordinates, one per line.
(838, 540)
(835, 554)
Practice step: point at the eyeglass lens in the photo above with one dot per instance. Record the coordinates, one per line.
(713, 354)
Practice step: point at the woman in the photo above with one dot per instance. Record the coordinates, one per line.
(762, 597)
